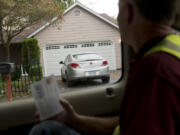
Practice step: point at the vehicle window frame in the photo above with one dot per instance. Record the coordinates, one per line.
(122, 64)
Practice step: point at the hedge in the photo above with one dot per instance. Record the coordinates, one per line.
(30, 50)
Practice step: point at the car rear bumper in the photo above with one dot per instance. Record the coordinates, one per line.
(81, 74)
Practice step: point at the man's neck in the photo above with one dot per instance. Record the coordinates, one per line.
(148, 33)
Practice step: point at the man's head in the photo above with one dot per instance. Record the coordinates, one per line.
(135, 14)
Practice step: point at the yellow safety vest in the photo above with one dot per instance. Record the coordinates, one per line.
(171, 45)
(117, 130)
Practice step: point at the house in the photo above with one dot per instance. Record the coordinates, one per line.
(81, 30)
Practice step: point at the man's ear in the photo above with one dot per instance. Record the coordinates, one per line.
(130, 13)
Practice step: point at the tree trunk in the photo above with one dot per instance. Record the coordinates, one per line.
(7, 46)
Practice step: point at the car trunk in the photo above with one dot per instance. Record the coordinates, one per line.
(90, 63)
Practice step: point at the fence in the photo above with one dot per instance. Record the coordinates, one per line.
(21, 78)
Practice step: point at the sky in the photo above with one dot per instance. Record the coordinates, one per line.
(109, 7)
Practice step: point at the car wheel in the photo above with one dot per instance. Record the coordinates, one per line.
(62, 78)
(68, 82)
(106, 79)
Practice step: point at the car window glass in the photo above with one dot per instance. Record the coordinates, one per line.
(69, 58)
(66, 60)
(61, 52)
(87, 56)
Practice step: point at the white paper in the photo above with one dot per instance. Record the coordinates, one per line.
(46, 95)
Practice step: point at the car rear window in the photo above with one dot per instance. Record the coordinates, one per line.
(87, 57)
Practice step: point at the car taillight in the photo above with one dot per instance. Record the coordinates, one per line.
(74, 65)
(105, 63)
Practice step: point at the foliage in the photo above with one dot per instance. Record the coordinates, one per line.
(65, 3)
(35, 71)
(16, 74)
(17, 15)
(30, 50)
(1, 79)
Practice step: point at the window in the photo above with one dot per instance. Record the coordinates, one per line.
(95, 58)
(88, 45)
(70, 46)
(105, 43)
(77, 12)
(52, 47)
(87, 56)
(66, 60)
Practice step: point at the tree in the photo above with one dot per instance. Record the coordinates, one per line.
(66, 3)
(30, 50)
(17, 15)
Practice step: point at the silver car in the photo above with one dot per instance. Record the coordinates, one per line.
(81, 66)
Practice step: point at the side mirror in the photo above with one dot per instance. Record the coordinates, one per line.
(61, 62)
(6, 68)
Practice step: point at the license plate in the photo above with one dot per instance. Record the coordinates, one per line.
(91, 73)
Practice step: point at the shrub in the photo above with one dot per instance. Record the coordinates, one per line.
(35, 72)
(16, 74)
(31, 51)
(1, 79)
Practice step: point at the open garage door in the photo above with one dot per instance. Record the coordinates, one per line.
(53, 54)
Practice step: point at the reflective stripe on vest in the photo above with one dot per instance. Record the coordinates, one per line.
(171, 45)
(116, 130)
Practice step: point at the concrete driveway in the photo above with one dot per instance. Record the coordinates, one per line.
(114, 76)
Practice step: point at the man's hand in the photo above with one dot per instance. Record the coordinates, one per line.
(84, 124)
(67, 116)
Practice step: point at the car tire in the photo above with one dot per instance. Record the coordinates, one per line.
(106, 79)
(68, 82)
(62, 78)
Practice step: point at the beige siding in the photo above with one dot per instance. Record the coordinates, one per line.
(85, 27)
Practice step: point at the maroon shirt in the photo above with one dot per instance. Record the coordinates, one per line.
(151, 103)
